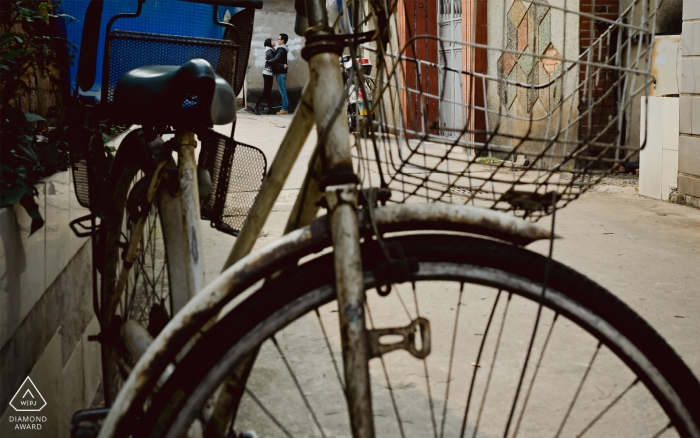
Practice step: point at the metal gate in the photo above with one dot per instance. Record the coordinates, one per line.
(450, 56)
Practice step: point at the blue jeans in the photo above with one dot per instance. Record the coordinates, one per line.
(282, 84)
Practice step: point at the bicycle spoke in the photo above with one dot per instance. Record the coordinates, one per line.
(663, 429)
(296, 382)
(449, 369)
(427, 374)
(534, 376)
(493, 363)
(607, 408)
(268, 413)
(388, 381)
(578, 390)
(330, 352)
(476, 364)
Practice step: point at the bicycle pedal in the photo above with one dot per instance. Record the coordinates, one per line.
(86, 423)
(87, 224)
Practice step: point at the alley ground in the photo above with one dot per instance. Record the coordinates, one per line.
(647, 252)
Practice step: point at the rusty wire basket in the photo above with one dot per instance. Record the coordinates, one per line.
(517, 106)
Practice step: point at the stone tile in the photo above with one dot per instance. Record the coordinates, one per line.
(686, 115)
(57, 230)
(689, 185)
(531, 30)
(73, 398)
(551, 65)
(541, 10)
(527, 62)
(695, 115)
(512, 89)
(543, 92)
(688, 39)
(522, 92)
(92, 371)
(507, 62)
(517, 12)
(511, 35)
(523, 33)
(691, 10)
(532, 93)
(22, 265)
(650, 158)
(670, 121)
(669, 173)
(690, 76)
(696, 38)
(545, 33)
(556, 88)
(689, 155)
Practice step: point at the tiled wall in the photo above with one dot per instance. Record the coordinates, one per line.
(46, 308)
(30, 264)
(689, 123)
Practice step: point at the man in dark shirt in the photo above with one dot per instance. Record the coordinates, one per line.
(279, 68)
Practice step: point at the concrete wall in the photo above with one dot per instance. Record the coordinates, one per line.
(689, 123)
(277, 16)
(46, 310)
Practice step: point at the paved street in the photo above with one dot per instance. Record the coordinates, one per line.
(647, 252)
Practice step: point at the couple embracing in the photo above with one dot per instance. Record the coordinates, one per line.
(275, 65)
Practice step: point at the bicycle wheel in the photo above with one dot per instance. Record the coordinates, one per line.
(146, 298)
(499, 364)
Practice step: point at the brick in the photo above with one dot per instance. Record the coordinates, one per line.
(689, 155)
(691, 10)
(689, 185)
(686, 110)
(695, 116)
(688, 39)
(690, 75)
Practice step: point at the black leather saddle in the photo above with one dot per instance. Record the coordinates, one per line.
(187, 96)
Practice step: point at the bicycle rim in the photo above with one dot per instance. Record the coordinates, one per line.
(595, 369)
(146, 298)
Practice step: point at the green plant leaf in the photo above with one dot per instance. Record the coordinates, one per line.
(12, 196)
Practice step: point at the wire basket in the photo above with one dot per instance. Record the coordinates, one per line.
(130, 50)
(236, 171)
(515, 106)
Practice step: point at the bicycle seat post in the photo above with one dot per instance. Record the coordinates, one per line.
(340, 184)
(189, 201)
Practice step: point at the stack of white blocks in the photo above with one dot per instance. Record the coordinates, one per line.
(658, 161)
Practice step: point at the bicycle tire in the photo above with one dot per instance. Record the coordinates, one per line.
(131, 164)
(463, 259)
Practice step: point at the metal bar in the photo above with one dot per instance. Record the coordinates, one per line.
(305, 207)
(351, 309)
(175, 248)
(191, 261)
(272, 185)
(334, 137)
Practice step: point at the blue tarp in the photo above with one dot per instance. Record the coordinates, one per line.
(172, 17)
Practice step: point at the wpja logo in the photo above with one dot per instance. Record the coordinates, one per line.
(28, 399)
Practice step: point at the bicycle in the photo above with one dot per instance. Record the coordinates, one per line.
(213, 362)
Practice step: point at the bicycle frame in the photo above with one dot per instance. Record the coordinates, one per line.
(181, 229)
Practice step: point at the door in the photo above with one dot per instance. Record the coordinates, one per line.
(451, 105)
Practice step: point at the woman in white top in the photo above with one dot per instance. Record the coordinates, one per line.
(267, 78)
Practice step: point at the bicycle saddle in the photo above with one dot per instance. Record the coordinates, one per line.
(187, 96)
